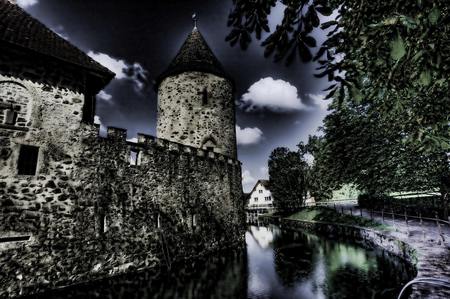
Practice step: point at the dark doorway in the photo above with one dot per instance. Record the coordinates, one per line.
(28, 158)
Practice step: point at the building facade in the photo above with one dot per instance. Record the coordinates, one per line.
(259, 201)
(73, 207)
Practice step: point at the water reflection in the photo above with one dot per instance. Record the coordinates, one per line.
(276, 264)
(301, 265)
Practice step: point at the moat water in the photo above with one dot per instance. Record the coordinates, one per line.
(275, 264)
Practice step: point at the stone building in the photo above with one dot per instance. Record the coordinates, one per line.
(259, 201)
(196, 100)
(72, 206)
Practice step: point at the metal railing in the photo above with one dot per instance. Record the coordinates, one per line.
(441, 233)
(433, 281)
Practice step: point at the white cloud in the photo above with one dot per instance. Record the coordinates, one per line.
(60, 30)
(274, 95)
(26, 3)
(247, 178)
(114, 65)
(264, 172)
(134, 140)
(319, 100)
(103, 129)
(104, 96)
(248, 136)
(134, 72)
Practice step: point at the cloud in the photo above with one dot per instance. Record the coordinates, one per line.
(116, 66)
(264, 172)
(247, 178)
(60, 30)
(102, 95)
(103, 129)
(319, 100)
(248, 136)
(26, 3)
(134, 140)
(124, 71)
(275, 95)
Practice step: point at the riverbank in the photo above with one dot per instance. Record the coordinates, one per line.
(430, 259)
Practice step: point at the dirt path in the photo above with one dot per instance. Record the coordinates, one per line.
(431, 242)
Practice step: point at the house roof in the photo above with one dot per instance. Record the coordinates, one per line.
(194, 55)
(264, 183)
(19, 28)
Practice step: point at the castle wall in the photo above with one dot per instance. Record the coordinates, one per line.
(88, 212)
(184, 118)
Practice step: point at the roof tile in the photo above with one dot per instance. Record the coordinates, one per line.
(17, 27)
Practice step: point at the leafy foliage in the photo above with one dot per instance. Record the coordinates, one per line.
(287, 173)
(290, 39)
(388, 63)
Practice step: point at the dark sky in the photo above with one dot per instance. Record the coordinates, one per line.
(146, 35)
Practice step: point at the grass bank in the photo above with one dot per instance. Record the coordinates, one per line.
(330, 215)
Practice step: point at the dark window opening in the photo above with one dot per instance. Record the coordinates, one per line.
(89, 109)
(14, 239)
(210, 149)
(28, 158)
(205, 97)
(10, 117)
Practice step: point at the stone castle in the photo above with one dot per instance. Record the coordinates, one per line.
(73, 206)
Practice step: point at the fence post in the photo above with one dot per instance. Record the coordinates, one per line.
(382, 215)
(421, 225)
(406, 222)
(351, 211)
(439, 228)
(342, 209)
(393, 218)
(334, 205)
(371, 214)
(360, 211)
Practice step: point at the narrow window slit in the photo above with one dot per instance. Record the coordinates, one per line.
(205, 96)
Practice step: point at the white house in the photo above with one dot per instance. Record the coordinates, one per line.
(259, 201)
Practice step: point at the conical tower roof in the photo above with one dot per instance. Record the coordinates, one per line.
(194, 55)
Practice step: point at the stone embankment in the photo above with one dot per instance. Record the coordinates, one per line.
(415, 245)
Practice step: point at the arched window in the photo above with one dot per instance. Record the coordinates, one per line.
(209, 144)
(15, 101)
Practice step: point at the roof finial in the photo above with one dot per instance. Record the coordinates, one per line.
(195, 19)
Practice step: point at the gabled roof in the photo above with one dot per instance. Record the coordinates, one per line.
(264, 183)
(18, 28)
(194, 55)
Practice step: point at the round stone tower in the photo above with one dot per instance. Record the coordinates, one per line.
(196, 99)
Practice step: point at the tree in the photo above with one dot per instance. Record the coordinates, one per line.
(320, 183)
(287, 174)
(388, 64)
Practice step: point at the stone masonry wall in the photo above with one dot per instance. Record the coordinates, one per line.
(183, 118)
(90, 213)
